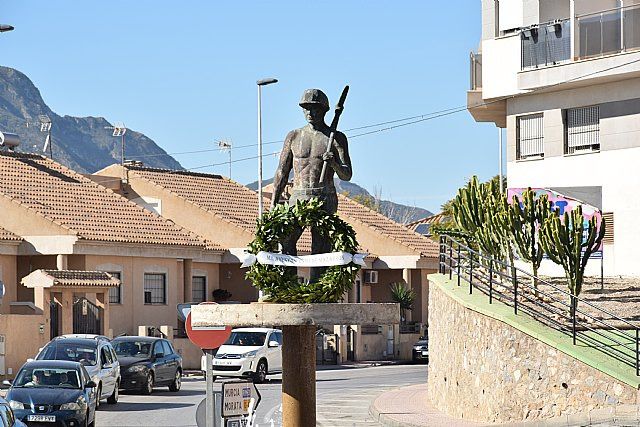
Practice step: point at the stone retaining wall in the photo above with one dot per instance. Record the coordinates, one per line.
(482, 369)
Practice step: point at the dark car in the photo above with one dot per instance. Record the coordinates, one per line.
(146, 362)
(7, 417)
(53, 392)
(421, 351)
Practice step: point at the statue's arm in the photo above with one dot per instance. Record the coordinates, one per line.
(341, 162)
(284, 168)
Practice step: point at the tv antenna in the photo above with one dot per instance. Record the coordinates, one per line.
(119, 130)
(225, 147)
(45, 127)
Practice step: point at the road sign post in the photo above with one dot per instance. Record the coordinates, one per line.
(239, 402)
(209, 379)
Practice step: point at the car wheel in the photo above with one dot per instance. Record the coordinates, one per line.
(113, 399)
(98, 397)
(261, 372)
(148, 387)
(177, 381)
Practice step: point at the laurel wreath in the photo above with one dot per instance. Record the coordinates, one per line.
(281, 284)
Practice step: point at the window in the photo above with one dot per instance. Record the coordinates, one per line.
(115, 294)
(155, 289)
(157, 349)
(529, 137)
(167, 348)
(198, 288)
(583, 130)
(278, 337)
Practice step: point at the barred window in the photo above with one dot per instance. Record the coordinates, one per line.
(115, 294)
(155, 288)
(583, 129)
(198, 289)
(530, 136)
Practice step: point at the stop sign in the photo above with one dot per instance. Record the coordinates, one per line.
(207, 338)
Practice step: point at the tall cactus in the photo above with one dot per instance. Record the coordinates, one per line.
(565, 244)
(527, 215)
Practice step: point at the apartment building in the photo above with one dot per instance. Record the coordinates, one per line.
(563, 78)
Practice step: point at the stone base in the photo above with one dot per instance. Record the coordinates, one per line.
(270, 314)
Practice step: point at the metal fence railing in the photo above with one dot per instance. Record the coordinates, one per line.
(607, 32)
(548, 304)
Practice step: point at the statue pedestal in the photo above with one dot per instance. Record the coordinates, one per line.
(298, 351)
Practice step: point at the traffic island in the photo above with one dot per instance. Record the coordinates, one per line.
(299, 323)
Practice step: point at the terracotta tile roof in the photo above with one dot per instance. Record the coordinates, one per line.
(351, 210)
(82, 206)
(81, 278)
(7, 235)
(221, 196)
(239, 205)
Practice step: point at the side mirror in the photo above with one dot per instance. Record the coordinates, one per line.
(106, 365)
(6, 382)
(30, 360)
(274, 344)
(90, 384)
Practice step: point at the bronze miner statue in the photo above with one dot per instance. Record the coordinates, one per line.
(315, 152)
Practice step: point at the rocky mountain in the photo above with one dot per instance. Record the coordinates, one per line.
(81, 143)
(403, 214)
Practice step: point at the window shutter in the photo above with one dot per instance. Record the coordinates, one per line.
(608, 232)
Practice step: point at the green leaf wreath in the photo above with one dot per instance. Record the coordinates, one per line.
(281, 284)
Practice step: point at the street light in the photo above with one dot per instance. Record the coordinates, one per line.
(261, 83)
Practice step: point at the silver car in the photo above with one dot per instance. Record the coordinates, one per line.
(95, 353)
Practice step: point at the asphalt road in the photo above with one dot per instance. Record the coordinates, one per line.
(343, 398)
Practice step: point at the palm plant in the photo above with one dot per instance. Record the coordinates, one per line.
(403, 295)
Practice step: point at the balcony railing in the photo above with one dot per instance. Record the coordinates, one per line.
(546, 44)
(475, 70)
(608, 32)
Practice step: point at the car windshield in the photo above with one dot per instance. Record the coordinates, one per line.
(253, 339)
(47, 377)
(422, 343)
(132, 348)
(83, 353)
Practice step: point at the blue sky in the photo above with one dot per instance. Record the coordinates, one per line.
(184, 74)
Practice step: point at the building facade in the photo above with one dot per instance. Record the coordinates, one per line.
(563, 78)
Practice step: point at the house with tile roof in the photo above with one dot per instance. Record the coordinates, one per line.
(225, 211)
(57, 219)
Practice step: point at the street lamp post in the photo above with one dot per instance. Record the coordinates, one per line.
(261, 83)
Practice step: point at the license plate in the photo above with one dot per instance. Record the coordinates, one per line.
(222, 363)
(425, 353)
(42, 418)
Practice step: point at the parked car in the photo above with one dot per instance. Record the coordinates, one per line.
(53, 392)
(7, 417)
(421, 350)
(249, 352)
(96, 354)
(147, 362)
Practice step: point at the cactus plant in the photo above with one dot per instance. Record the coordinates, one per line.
(565, 243)
(527, 215)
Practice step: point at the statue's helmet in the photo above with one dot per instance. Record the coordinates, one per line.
(314, 96)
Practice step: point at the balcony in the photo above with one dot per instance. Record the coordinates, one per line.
(546, 44)
(608, 32)
(494, 111)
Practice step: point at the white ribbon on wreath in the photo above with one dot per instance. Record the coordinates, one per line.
(316, 260)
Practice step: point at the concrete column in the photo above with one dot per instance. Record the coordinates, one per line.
(406, 276)
(62, 262)
(299, 376)
(67, 311)
(188, 279)
(102, 301)
(142, 331)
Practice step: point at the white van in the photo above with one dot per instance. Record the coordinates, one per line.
(249, 352)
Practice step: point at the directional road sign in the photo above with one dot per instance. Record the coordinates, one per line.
(239, 398)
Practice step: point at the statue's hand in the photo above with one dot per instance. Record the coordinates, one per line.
(328, 157)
